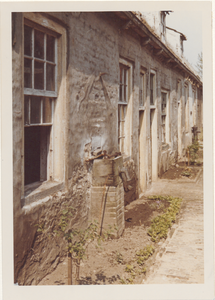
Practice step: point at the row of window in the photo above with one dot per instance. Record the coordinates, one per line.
(125, 72)
(40, 93)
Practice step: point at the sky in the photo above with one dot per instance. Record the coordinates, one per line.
(190, 24)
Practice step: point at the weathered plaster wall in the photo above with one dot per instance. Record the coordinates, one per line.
(45, 249)
(153, 19)
(173, 40)
(17, 85)
(93, 99)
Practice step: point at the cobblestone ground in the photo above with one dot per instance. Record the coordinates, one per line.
(181, 259)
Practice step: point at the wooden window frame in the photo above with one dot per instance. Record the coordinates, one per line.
(167, 115)
(124, 104)
(33, 91)
(57, 167)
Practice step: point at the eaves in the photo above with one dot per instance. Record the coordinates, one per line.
(148, 35)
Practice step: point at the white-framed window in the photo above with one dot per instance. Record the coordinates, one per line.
(125, 85)
(142, 89)
(44, 60)
(40, 60)
(165, 116)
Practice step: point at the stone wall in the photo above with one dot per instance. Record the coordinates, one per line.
(44, 249)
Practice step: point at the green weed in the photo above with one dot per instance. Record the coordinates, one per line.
(119, 258)
(143, 254)
(186, 174)
(160, 224)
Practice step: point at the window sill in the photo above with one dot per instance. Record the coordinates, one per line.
(141, 108)
(38, 190)
(152, 107)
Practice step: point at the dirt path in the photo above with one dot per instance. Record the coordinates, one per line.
(179, 259)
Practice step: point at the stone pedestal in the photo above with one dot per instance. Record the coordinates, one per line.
(107, 195)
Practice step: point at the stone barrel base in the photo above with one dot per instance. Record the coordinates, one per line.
(112, 211)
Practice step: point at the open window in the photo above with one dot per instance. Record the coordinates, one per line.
(40, 89)
(44, 58)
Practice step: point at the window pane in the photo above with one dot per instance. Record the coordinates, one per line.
(151, 89)
(27, 110)
(38, 44)
(38, 75)
(120, 92)
(27, 40)
(125, 86)
(35, 110)
(27, 73)
(50, 77)
(47, 110)
(50, 48)
(121, 70)
(141, 98)
(163, 107)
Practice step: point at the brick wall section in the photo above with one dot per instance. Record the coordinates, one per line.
(113, 205)
(107, 196)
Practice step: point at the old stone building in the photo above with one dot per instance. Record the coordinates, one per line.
(101, 101)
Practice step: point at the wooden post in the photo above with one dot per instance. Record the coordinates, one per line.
(188, 156)
(69, 269)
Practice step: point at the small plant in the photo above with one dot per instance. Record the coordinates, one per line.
(40, 227)
(78, 242)
(122, 281)
(130, 280)
(109, 232)
(193, 150)
(156, 205)
(143, 270)
(160, 224)
(131, 270)
(119, 258)
(198, 163)
(186, 174)
(143, 254)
